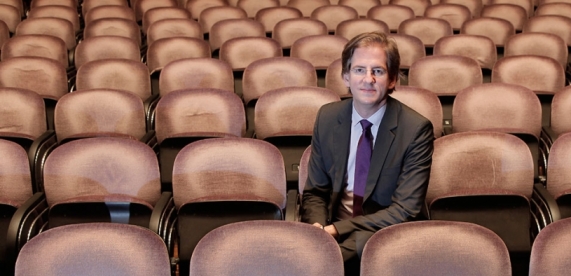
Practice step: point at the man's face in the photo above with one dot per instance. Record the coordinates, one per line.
(368, 78)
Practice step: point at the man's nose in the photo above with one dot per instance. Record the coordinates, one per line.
(369, 77)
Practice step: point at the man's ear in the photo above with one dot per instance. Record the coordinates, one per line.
(393, 83)
(346, 79)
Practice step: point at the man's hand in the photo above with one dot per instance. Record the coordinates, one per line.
(330, 229)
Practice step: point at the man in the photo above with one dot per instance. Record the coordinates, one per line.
(367, 175)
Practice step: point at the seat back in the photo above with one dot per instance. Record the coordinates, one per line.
(142, 6)
(480, 163)
(559, 106)
(199, 112)
(10, 15)
(113, 27)
(88, 5)
(173, 28)
(515, 14)
(237, 52)
(558, 169)
(552, 24)
(106, 47)
(253, 6)
(16, 4)
(539, 44)
(361, 6)
(36, 46)
(438, 248)
(475, 6)
(196, 73)
(410, 48)
(4, 33)
(196, 7)
(229, 169)
(225, 30)
(160, 13)
(288, 31)
(66, 13)
(498, 107)
(22, 113)
(424, 102)
(445, 75)
(307, 7)
(100, 112)
(269, 17)
(119, 74)
(527, 5)
(455, 14)
(555, 8)
(212, 15)
(41, 3)
(15, 178)
(417, 6)
(543, 75)
(290, 111)
(165, 50)
(351, 28)
(497, 29)
(101, 170)
(550, 248)
(44, 76)
(332, 15)
(57, 27)
(334, 80)
(267, 247)
(428, 30)
(319, 50)
(268, 74)
(120, 250)
(480, 48)
(392, 15)
(112, 11)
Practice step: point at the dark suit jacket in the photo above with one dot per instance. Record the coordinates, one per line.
(398, 176)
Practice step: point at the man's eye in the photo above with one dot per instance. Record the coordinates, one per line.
(360, 70)
(378, 72)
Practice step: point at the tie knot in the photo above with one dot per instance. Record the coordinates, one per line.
(365, 124)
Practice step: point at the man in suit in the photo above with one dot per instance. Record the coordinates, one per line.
(371, 155)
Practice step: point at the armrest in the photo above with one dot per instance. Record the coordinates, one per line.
(163, 218)
(37, 154)
(291, 210)
(447, 129)
(544, 205)
(150, 104)
(27, 222)
(548, 135)
(150, 139)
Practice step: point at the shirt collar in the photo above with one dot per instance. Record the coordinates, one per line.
(375, 119)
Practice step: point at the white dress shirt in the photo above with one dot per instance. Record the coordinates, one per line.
(346, 207)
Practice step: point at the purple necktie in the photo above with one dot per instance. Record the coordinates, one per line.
(362, 164)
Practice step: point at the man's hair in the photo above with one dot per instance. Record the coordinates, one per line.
(372, 39)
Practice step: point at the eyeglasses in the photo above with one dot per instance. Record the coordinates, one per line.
(361, 71)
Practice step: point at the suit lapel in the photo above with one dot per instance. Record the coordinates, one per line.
(341, 140)
(383, 142)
